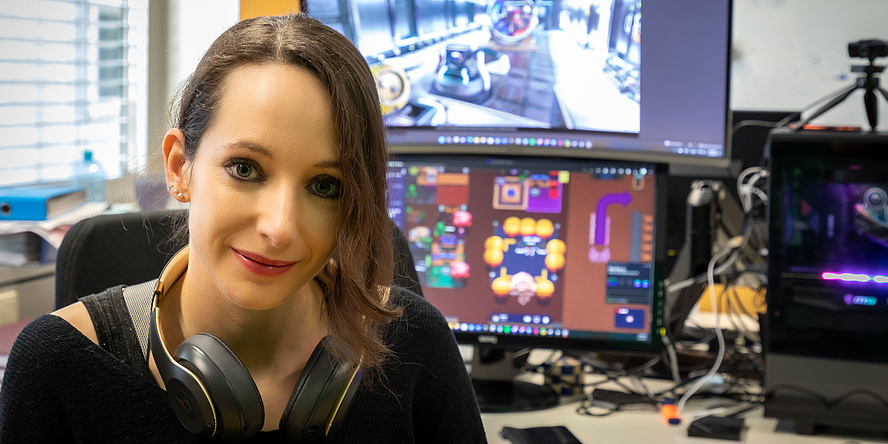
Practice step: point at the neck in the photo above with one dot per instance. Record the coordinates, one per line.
(284, 335)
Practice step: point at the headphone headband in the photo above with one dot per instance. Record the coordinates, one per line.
(197, 413)
(172, 271)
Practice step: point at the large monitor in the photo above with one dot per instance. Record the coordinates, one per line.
(522, 252)
(561, 78)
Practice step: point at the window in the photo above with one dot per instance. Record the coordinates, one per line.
(72, 78)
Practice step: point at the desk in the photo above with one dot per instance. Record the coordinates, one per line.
(647, 427)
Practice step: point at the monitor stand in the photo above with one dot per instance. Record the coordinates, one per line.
(497, 390)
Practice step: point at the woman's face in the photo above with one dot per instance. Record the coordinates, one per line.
(264, 186)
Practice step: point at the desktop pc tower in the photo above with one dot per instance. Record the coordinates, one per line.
(826, 330)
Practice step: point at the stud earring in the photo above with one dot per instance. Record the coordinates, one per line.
(178, 193)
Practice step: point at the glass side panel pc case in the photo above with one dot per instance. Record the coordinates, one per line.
(622, 79)
(558, 253)
(828, 235)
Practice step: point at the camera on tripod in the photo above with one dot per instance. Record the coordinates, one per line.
(868, 49)
(868, 81)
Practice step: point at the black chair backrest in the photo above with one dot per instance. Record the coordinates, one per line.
(112, 249)
(130, 248)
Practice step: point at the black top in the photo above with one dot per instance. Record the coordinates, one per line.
(61, 387)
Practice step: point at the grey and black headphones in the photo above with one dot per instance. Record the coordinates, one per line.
(214, 396)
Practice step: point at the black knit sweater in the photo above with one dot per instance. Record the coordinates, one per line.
(61, 387)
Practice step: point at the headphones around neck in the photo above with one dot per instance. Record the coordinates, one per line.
(214, 396)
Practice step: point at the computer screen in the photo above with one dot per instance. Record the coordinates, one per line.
(555, 253)
(621, 79)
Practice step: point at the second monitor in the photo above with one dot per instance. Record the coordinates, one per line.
(530, 252)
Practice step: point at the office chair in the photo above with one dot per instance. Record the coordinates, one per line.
(130, 248)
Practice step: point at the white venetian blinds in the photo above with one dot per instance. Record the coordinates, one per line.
(72, 78)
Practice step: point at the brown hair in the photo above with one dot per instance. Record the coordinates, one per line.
(361, 270)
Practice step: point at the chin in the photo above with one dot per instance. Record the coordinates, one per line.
(257, 297)
(256, 303)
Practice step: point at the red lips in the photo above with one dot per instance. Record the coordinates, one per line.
(261, 265)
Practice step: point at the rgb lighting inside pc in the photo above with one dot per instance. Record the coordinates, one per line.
(828, 236)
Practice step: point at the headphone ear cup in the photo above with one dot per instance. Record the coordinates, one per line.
(240, 412)
(185, 392)
(321, 396)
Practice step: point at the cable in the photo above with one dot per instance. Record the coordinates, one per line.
(615, 377)
(745, 190)
(745, 123)
(732, 244)
(753, 404)
(673, 358)
(733, 292)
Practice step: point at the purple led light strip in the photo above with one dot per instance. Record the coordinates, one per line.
(854, 277)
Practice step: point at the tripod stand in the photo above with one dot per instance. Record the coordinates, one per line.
(869, 83)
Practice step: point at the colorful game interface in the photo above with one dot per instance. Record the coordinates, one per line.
(544, 247)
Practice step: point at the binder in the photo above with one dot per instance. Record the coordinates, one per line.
(25, 248)
(39, 202)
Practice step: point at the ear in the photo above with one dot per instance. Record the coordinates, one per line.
(175, 164)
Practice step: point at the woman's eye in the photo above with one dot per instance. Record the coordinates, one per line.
(326, 187)
(243, 170)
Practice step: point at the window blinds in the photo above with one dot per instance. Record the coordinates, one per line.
(72, 78)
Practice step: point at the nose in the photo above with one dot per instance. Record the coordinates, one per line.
(278, 222)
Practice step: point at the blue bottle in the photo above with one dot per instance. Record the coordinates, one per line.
(90, 176)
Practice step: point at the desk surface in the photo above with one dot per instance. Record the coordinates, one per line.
(647, 427)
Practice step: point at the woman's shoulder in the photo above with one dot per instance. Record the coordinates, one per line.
(414, 305)
(420, 320)
(46, 338)
(47, 324)
(78, 317)
(52, 342)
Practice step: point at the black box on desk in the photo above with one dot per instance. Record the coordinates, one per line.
(826, 330)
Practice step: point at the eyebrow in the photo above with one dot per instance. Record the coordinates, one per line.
(257, 148)
(334, 164)
(254, 147)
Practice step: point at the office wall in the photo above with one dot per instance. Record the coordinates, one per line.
(790, 53)
(180, 31)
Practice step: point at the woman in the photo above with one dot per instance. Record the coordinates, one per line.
(279, 148)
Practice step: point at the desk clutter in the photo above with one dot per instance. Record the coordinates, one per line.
(781, 312)
(601, 385)
(35, 241)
